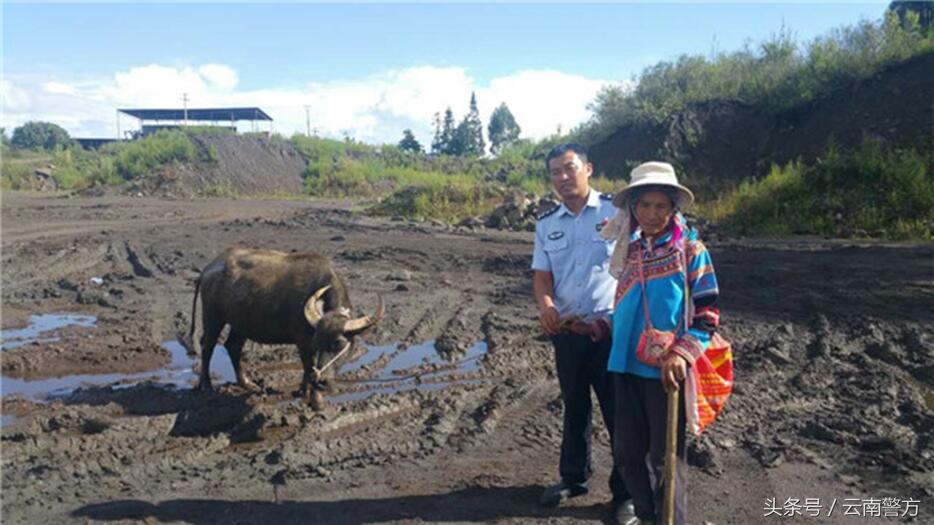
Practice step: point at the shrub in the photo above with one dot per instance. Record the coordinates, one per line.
(16, 176)
(875, 190)
(778, 74)
(207, 130)
(449, 202)
(134, 160)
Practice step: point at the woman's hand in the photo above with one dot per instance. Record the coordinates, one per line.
(674, 370)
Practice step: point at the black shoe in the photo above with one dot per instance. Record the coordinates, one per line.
(622, 513)
(555, 494)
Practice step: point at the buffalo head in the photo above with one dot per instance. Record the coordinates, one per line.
(334, 333)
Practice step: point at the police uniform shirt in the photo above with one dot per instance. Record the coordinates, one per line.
(572, 249)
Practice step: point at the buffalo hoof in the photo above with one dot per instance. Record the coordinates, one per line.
(205, 386)
(316, 401)
(302, 391)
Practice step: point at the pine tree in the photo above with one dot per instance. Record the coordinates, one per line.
(503, 129)
(436, 144)
(458, 144)
(444, 134)
(472, 134)
(409, 142)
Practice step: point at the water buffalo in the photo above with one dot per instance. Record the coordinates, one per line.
(272, 297)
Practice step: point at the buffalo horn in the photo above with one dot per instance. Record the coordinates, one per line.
(362, 323)
(314, 306)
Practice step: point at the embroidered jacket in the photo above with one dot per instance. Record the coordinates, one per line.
(664, 275)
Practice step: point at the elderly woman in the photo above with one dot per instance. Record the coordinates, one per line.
(665, 312)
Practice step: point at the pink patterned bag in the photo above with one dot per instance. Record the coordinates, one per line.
(655, 345)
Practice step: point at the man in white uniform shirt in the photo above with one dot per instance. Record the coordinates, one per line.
(572, 280)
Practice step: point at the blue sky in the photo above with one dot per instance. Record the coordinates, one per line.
(368, 70)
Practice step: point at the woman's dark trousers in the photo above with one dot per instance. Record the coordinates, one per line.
(641, 417)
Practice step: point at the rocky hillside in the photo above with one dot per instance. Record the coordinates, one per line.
(720, 143)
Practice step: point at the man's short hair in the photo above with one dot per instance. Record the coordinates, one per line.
(561, 149)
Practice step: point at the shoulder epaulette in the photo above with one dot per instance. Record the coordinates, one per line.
(547, 212)
(606, 196)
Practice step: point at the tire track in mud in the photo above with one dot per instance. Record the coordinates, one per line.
(50, 265)
(163, 308)
(436, 312)
(136, 453)
(512, 433)
(30, 234)
(121, 215)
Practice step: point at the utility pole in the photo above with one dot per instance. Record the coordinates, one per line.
(307, 121)
(185, 105)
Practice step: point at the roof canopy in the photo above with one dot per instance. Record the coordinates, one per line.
(203, 114)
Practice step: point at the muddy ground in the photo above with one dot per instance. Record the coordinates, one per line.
(834, 348)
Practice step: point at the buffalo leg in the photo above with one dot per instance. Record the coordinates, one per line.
(307, 365)
(234, 345)
(208, 342)
(310, 391)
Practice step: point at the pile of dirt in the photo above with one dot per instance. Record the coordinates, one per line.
(723, 142)
(233, 165)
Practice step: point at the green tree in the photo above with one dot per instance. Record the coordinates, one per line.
(458, 145)
(40, 135)
(436, 145)
(503, 129)
(409, 142)
(471, 134)
(444, 134)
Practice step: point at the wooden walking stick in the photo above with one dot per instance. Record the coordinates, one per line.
(671, 457)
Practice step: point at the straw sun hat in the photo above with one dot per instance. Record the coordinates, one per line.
(618, 228)
(654, 173)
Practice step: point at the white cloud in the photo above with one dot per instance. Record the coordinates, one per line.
(220, 76)
(375, 108)
(418, 93)
(58, 88)
(155, 85)
(13, 98)
(542, 100)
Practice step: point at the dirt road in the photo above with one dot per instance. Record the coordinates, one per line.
(834, 347)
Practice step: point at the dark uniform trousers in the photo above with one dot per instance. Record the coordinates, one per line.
(641, 418)
(581, 365)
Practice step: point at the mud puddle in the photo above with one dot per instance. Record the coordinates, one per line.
(39, 324)
(179, 373)
(423, 356)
